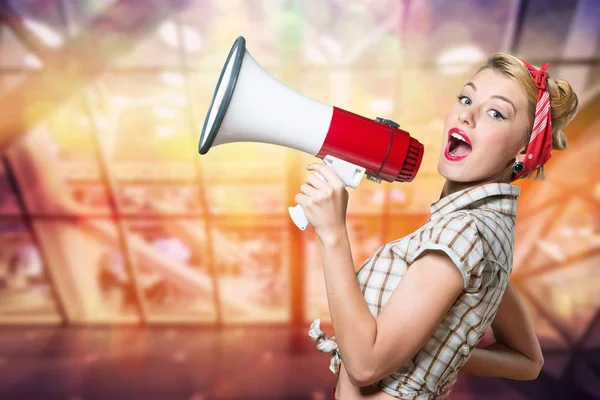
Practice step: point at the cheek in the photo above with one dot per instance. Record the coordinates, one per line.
(451, 117)
(450, 121)
(500, 140)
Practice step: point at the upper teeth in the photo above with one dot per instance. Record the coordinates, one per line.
(457, 136)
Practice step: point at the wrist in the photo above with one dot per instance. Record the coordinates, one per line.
(333, 237)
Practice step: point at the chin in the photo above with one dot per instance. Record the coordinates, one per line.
(454, 173)
(458, 174)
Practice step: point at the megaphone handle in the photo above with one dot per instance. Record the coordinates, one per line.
(297, 213)
(298, 216)
(349, 173)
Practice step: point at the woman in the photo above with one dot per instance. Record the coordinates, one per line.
(411, 317)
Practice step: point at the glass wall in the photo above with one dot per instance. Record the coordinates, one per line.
(109, 215)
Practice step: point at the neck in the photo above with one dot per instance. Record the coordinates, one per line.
(504, 176)
(453, 186)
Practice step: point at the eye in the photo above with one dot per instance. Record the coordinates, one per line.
(496, 114)
(464, 100)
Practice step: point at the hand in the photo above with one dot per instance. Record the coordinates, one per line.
(324, 202)
(447, 388)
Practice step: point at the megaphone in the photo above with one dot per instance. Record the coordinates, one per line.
(249, 105)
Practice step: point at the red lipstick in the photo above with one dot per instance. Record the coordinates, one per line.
(463, 135)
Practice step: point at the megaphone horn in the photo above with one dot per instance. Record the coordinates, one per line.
(249, 105)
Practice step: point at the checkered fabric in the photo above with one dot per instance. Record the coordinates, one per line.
(475, 227)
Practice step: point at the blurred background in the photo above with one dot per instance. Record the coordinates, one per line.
(132, 267)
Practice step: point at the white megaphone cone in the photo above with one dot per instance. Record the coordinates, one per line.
(249, 105)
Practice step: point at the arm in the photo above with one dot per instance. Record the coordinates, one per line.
(374, 348)
(516, 353)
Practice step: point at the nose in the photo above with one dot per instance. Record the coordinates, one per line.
(466, 117)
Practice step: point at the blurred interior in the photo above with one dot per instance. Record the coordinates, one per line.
(131, 266)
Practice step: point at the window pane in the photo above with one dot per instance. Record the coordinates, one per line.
(8, 81)
(26, 294)
(160, 200)
(145, 129)
(159, 48)
(367, 199)
(570, 293)
(8, 200)
(427, 95)
(41, 11)
(360, 33)
(81, 12)
(143, 117)
(252, 261)
(174, 274)
(42, 20)
(460, 32)
(56, 167)
(547, 334)
(89, 269)
(207, 28)
(245, 199)
(415, 197)
(365, 236)
(245, 163)
(13, 54)
(545, 28)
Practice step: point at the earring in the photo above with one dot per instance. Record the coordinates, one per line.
(518, 167)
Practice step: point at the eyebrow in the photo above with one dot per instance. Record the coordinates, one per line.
(495, 96)
(506, 100)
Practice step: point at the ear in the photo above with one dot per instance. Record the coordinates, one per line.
(522, 151)
(521, 156)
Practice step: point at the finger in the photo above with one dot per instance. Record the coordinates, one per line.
(448, 387)
(316, 182)
(302, 199)
(326, 172)
(450, 384)
(308, 190)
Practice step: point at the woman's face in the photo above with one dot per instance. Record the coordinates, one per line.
(491, 116)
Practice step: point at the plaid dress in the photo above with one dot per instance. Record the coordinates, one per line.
(475, 228)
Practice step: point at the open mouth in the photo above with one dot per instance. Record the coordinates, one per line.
(458, 146)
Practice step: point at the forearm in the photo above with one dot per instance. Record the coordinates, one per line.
(500, 361)
(354, 327)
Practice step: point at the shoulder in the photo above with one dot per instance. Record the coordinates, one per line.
(457, 235)
(497, 232)
(456, 227)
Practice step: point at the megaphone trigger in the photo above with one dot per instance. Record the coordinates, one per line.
(350, 174)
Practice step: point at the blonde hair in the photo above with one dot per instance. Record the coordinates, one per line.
(563, 100)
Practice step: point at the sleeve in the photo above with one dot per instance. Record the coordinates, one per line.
(458, 237)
